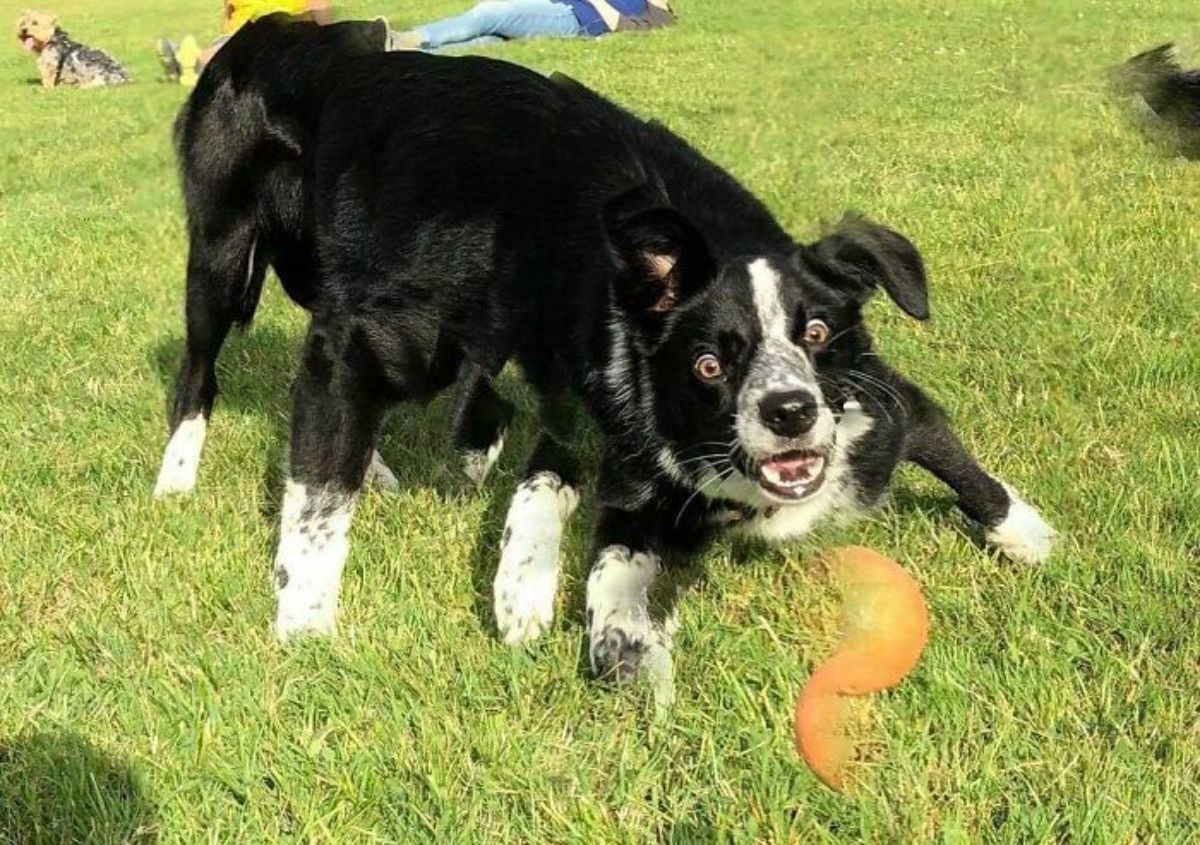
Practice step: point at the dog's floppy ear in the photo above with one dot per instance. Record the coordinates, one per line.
(865, 255)
(662, 259)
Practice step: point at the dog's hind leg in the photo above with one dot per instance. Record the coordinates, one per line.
(336, 413)
(224, 280)
(294, 260)
(478, 419)
(1009, 523)
(527, 577)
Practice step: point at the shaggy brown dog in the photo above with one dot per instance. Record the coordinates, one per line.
(62, 61)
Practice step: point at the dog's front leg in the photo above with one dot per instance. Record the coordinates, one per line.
(48, 68)
(335, 419)
(621, 631)
(478, 419)
(527, 577)
(1010, 524)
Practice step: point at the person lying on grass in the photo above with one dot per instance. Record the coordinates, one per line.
(503, 20)
(184, 62)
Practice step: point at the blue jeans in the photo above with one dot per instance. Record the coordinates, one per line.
(500, 20)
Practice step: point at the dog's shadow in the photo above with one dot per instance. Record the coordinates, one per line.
(906, 500)
(60, 788)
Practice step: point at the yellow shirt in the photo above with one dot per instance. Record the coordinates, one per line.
(247, 10)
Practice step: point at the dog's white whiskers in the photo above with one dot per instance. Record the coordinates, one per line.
(724, 444)
(869, 391)
(882, 385)
(702, 458)
(718, 477)
(842, 333)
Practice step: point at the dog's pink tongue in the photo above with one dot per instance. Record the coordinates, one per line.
(795, 466)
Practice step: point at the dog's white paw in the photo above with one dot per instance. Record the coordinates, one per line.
(525, 601)
(181, 458)
(527, 578)
(620, 629)
(380, 475)
(621, 644)
(300, 613)
(313, 544)
(477, 463)
(1022, 535)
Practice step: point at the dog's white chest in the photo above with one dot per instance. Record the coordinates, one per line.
(791, 521)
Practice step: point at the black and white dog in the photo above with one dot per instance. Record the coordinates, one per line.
(442, 216)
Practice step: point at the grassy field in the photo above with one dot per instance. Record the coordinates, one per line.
(142, 697)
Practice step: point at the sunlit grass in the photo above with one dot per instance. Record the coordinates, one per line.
(142, 695)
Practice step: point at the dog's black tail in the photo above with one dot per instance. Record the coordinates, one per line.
(1166, 94)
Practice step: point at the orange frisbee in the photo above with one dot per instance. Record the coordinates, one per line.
(884, 628)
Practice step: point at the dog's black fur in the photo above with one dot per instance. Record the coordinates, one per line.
(442, 216)
(1170, 94)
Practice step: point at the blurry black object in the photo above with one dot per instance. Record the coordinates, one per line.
(1167, 96)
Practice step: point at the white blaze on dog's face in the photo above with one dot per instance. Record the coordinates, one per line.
(783, 423)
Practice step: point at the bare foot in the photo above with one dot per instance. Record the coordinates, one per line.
(410, 40)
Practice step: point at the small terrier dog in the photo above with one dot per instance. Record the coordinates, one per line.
(63, 61)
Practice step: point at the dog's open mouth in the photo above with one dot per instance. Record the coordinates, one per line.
(29, 42)
(792, 475)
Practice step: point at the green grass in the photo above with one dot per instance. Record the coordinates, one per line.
(142, 696)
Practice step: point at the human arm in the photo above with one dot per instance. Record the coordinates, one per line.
(321, 11)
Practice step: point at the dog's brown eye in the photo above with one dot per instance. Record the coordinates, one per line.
(708, 368)
(816, 333)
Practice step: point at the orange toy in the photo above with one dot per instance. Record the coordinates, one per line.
(885, 626)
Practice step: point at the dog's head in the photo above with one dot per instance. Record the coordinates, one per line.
(746, 368)
(34, 29)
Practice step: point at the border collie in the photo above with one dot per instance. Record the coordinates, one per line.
(440, 217)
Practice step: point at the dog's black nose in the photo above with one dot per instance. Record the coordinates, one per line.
(788, 414)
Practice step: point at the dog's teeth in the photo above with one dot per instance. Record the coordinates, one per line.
(774, 476)
(796, 478)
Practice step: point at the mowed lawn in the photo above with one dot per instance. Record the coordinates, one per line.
(143, 698)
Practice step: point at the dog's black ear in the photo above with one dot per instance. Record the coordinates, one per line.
(662, 259)
(864, 255)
